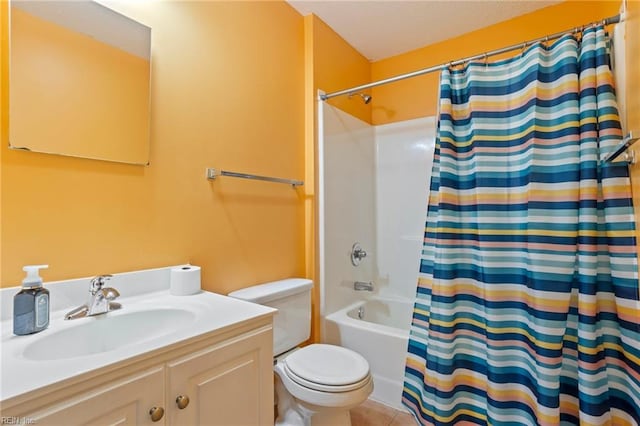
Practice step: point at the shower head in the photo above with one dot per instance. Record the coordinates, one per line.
(366, 98)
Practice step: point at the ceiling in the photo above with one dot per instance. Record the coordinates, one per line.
(380, 29)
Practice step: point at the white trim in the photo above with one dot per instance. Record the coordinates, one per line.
(320, 201)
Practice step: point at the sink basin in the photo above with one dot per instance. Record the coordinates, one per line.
(107, 332)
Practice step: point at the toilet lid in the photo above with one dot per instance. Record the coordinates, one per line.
(328, 365)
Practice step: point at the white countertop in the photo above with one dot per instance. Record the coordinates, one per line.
(19, 374)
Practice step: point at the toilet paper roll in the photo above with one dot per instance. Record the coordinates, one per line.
(185, 280)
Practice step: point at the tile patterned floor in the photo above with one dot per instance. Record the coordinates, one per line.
(371, 413)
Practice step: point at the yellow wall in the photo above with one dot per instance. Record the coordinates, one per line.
(4, 110)
(633, 94)
(227, 91)
(330, 64)
(233, 86)
(337, 65)
(633, 65)
(418, 96)
(87, 98)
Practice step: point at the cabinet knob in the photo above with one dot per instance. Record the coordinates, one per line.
(156, 413)
(182, 401)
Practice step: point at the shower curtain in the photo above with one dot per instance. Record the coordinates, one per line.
(527, 306)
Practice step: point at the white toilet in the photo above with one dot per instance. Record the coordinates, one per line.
(315, 385)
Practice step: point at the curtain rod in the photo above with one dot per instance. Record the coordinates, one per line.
(607, 21)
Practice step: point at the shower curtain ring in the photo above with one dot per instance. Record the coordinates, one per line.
(581, 32)
(524, 47)
(486, 59)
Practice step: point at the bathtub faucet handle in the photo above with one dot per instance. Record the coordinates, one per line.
(363, 286)
(357, 254)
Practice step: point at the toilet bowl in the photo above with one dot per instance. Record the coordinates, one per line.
(316, 385)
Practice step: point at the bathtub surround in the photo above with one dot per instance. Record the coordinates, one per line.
(527, 304)
(404, 154)
(373, 190)
(348, 194)
(373, 186)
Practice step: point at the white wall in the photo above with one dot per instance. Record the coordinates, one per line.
(348, 189)
(404, 153)
(374, 184)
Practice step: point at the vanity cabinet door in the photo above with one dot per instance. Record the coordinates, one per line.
(227, 384)
(123, 402)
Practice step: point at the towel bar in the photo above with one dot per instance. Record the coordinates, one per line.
(214, 173)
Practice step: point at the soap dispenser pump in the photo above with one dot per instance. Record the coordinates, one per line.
(31, 304)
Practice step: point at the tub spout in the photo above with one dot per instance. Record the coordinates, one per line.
(363, 286)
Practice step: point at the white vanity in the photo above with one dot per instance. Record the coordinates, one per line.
(204, 359)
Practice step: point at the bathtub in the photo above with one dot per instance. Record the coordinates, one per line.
(378, 329)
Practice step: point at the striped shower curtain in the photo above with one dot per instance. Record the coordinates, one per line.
(527, 306)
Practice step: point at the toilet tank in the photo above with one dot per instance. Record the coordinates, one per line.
(292, 298)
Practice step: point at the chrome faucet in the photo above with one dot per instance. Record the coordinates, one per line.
(100, 299)
(363, 286)
(357, 254)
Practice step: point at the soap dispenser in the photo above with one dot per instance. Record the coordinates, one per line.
(31, 304)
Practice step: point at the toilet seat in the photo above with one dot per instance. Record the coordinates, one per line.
(306, 371)
(325, 388)
(306, 395)
(327, 368)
